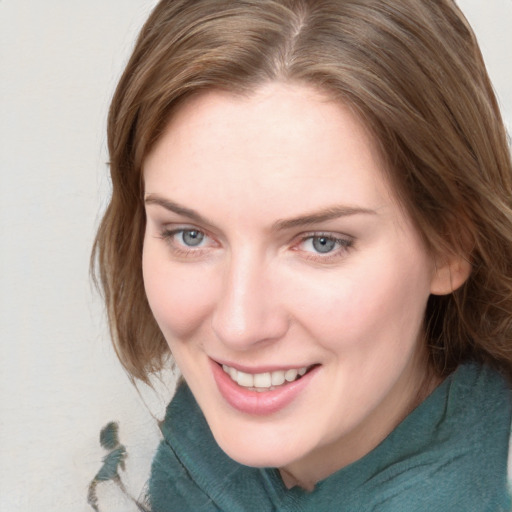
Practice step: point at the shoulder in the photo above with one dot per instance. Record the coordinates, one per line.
(466, 461)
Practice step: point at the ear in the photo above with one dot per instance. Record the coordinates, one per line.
(449, 274)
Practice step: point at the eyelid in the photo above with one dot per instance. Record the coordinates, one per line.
(176, 227)
(168, 233)
(345, 242)
(341, 237)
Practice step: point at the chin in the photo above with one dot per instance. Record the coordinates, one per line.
(257, 454)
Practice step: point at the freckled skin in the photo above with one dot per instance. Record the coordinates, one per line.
(256, 295)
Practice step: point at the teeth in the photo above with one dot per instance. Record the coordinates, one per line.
(277, 378)
(264, 381)
(291, 375)
(245, 379)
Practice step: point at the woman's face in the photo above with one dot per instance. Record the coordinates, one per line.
(275, 247)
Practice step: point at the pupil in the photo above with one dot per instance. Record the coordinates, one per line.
(323, 244)
(192, 237)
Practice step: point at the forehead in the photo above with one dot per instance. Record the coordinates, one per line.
(285, 145)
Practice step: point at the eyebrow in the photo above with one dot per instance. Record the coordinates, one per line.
(330, 213)
(176, 208)
(323, 215)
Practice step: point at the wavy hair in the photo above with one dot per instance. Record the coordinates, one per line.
(411, 70)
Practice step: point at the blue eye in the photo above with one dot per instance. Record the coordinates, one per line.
(187, 240)
(323, 244)
(191, 237)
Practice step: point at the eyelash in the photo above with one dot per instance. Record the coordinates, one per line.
(180, 249)
(343, 244)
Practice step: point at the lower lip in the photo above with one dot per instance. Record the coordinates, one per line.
(259, 403)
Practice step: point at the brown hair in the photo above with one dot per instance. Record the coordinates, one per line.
(412, 71)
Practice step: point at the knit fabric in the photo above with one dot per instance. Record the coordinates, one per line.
(449, 454)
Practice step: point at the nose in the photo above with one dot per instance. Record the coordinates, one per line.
(250, 309)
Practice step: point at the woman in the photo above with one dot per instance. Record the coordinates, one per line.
(311, 215)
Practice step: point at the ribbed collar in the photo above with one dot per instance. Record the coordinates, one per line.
(455, 439)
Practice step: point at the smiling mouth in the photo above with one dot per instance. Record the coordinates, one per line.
(266, 381)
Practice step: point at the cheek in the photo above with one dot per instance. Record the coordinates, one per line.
(178, 295)
(382, 300)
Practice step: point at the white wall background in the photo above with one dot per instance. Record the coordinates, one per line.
(59, 381)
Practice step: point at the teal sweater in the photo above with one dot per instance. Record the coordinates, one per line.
(448, 455)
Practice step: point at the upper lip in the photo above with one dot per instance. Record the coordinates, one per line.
(260, 368)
